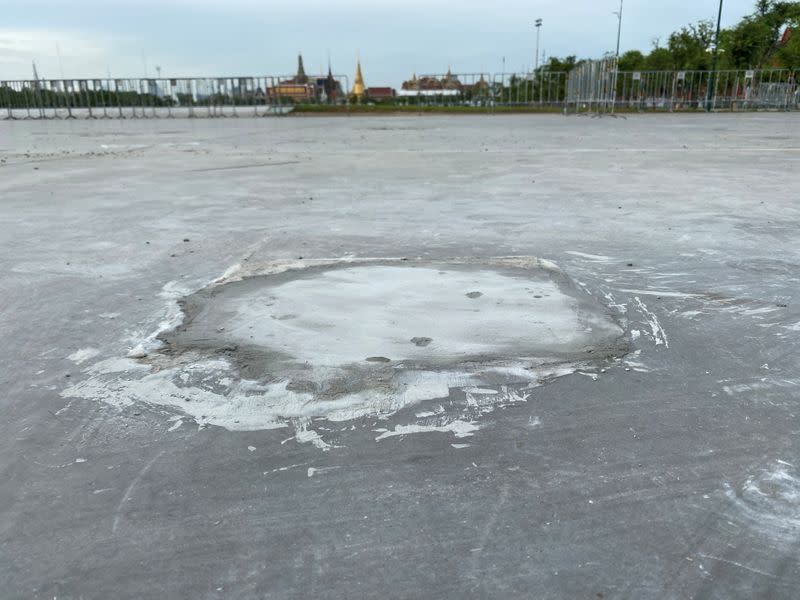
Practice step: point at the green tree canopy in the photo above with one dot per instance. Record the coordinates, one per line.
(758, 41)
(659, 59)
(632, 60)
(691, 47)
(564, 65)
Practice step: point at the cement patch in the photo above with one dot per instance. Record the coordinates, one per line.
(346, 339)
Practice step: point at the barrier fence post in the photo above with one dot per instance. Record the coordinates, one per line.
(6, 87)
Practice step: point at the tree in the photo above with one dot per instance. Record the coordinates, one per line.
(755, 41)
(746, 45)
(690, 48)
(788, 55)
(564, 65)
(632, 60)
(660, 59)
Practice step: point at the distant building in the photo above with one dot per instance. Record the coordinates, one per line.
(380, 93)
(450, 81)
(425, 84)
(448, 85)
(331, 88)
(421, 84)
(296, 92)
(304, 88)
(427, 93)
(480, 87)
(296, 89)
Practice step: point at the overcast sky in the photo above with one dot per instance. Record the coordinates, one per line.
(393, 37)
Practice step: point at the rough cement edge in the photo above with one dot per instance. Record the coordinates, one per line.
(241, 271)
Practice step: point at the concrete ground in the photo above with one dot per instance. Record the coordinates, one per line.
(670, 472)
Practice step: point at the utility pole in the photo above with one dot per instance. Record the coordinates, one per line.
(712, 77)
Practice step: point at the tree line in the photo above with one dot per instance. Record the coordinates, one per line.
(760, 40)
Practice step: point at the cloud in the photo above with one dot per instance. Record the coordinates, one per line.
(19, 48)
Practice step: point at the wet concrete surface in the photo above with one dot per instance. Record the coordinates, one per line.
(671, 472)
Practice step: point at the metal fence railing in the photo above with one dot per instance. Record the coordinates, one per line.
(597, 85)
(591, 86)
(543, 89)
(149, 98)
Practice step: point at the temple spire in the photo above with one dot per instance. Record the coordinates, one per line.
(359, 89)
(301, 71)
(330, 84)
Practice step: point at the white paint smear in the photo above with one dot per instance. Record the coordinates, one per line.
(621, 308)
(763, 310)
(770, 501)
(82, 355)
(425, 413)
(761, 384)
(658, 333)
(246, 405)
(458, 428)
(304, 435)
(662, 293)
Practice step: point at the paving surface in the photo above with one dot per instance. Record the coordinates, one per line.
(669, 470)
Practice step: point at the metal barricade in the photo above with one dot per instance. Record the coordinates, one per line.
(590, 86)
(543, 89)
(765, 89)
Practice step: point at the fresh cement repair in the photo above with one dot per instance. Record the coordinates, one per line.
(277, 344)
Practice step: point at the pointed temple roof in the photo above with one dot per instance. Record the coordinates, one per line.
(358, 86)
(301, 76)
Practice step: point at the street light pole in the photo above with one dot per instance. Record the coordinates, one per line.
(616, 58)
(538, 24)
(619, 29)
(712, 75)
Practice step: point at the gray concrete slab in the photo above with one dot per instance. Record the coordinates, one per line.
(670, 471)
